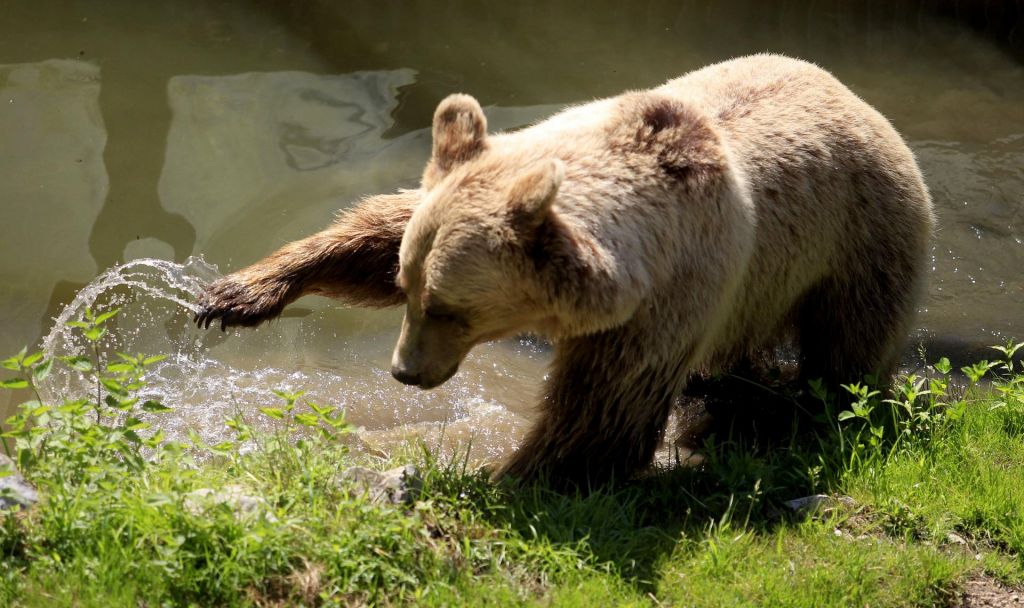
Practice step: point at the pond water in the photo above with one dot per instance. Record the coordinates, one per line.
(160, 131)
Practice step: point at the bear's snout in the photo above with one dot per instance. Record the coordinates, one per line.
(426, 356)
(422, 379)
(405, 376)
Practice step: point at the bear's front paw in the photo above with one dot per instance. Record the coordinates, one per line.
(237, 302)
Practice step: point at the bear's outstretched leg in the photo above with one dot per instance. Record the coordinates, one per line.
(355, 260)
(604, 411)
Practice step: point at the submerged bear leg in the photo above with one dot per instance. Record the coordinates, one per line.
(355, 260)
(603, 414)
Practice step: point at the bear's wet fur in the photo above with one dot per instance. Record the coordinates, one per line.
(651, 236)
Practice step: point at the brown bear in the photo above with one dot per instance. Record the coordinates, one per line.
(648, 235)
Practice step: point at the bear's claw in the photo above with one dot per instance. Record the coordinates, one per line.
(208, 315)
(234, 304)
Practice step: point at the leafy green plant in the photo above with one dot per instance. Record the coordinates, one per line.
(90, 437)
(1009, 382)
(917, 408)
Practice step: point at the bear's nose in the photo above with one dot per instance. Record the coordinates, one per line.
(405, 376)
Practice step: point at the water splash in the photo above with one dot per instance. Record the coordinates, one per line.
(151, 295)
(208, 376)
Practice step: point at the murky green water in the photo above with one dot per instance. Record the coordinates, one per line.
(167, 129)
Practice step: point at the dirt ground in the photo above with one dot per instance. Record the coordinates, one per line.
(984, 592)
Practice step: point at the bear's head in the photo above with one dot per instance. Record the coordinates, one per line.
(466, 263)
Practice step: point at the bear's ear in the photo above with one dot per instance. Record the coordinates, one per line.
(531, 196)
(460, 133)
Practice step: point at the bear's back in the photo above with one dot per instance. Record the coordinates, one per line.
(832, 182)
(829, 179)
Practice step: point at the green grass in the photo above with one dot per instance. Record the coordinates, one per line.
(967, 481)
(116, 527)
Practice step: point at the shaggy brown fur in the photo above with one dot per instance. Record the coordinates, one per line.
(648, 235)
(355, 260)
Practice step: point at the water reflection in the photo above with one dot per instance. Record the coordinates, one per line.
(280, 149)
(53, 184)
(132, 209)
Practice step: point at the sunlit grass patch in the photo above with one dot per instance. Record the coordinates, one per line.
(967, 480)
(815, 564)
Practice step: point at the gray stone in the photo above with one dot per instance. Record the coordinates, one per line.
(244, 506)
(820, 504)
(14, 490)
(398, 486)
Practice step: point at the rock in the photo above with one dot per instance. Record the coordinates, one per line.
(244, 506)
(14, 490)
(819, 504)
(397, 486)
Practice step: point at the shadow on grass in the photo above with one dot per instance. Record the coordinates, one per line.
(771, 449)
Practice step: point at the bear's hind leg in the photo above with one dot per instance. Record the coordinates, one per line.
(854, 327)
